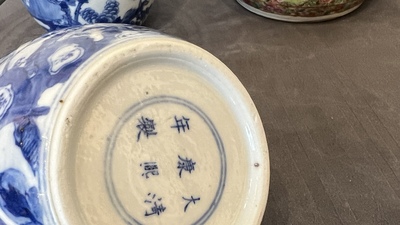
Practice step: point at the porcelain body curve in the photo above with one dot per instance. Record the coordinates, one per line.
(56, 14)
(29, 78)
(112, 123)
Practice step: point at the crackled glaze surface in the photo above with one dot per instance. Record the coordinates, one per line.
(56, 14)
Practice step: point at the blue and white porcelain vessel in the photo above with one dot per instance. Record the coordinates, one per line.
(56, 14)
(119, 124)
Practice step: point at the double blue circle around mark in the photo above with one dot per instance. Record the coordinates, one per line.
(129, 219)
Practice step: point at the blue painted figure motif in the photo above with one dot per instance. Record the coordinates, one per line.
(181, 124)
(157, 207)
(56, 14)
(150, 168)
(147, 127)
(24, 76)
(6, 98)
(19, 199)
(190, 200)
(185, 165)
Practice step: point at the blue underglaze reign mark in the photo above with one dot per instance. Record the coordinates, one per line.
(150, 168)
(156, 206)
(190, 200)
(185, 164)
(24, 76)
(146, 126)
(129, 219)
(181, 124)
(57, 14)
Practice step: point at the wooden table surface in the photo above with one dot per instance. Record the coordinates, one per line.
(328, 95)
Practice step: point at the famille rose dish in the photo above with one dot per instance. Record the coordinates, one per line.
(57, 14)
(118, 124)
(301, 10)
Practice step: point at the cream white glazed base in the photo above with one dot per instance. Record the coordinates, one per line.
(168, 72)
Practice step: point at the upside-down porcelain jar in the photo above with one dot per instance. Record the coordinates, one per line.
(119, 124)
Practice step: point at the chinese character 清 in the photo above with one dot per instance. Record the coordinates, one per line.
(157, 208)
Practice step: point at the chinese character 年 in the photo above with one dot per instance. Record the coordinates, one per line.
(181, 124)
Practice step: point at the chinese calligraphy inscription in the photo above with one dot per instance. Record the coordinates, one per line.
(176, 146)
(190, 200)
(156, 206)
(181, 124)
(185, 164)
(150, 168)
(146, 126)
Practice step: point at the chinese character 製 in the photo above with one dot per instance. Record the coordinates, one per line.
(146, 126)
(181, 124)
(185, 165)
(190, 200)
(157, 208)
(149, 168)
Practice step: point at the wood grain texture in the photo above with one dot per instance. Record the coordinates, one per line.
(328, 95)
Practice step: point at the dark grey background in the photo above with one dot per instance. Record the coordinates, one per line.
(328, 94)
